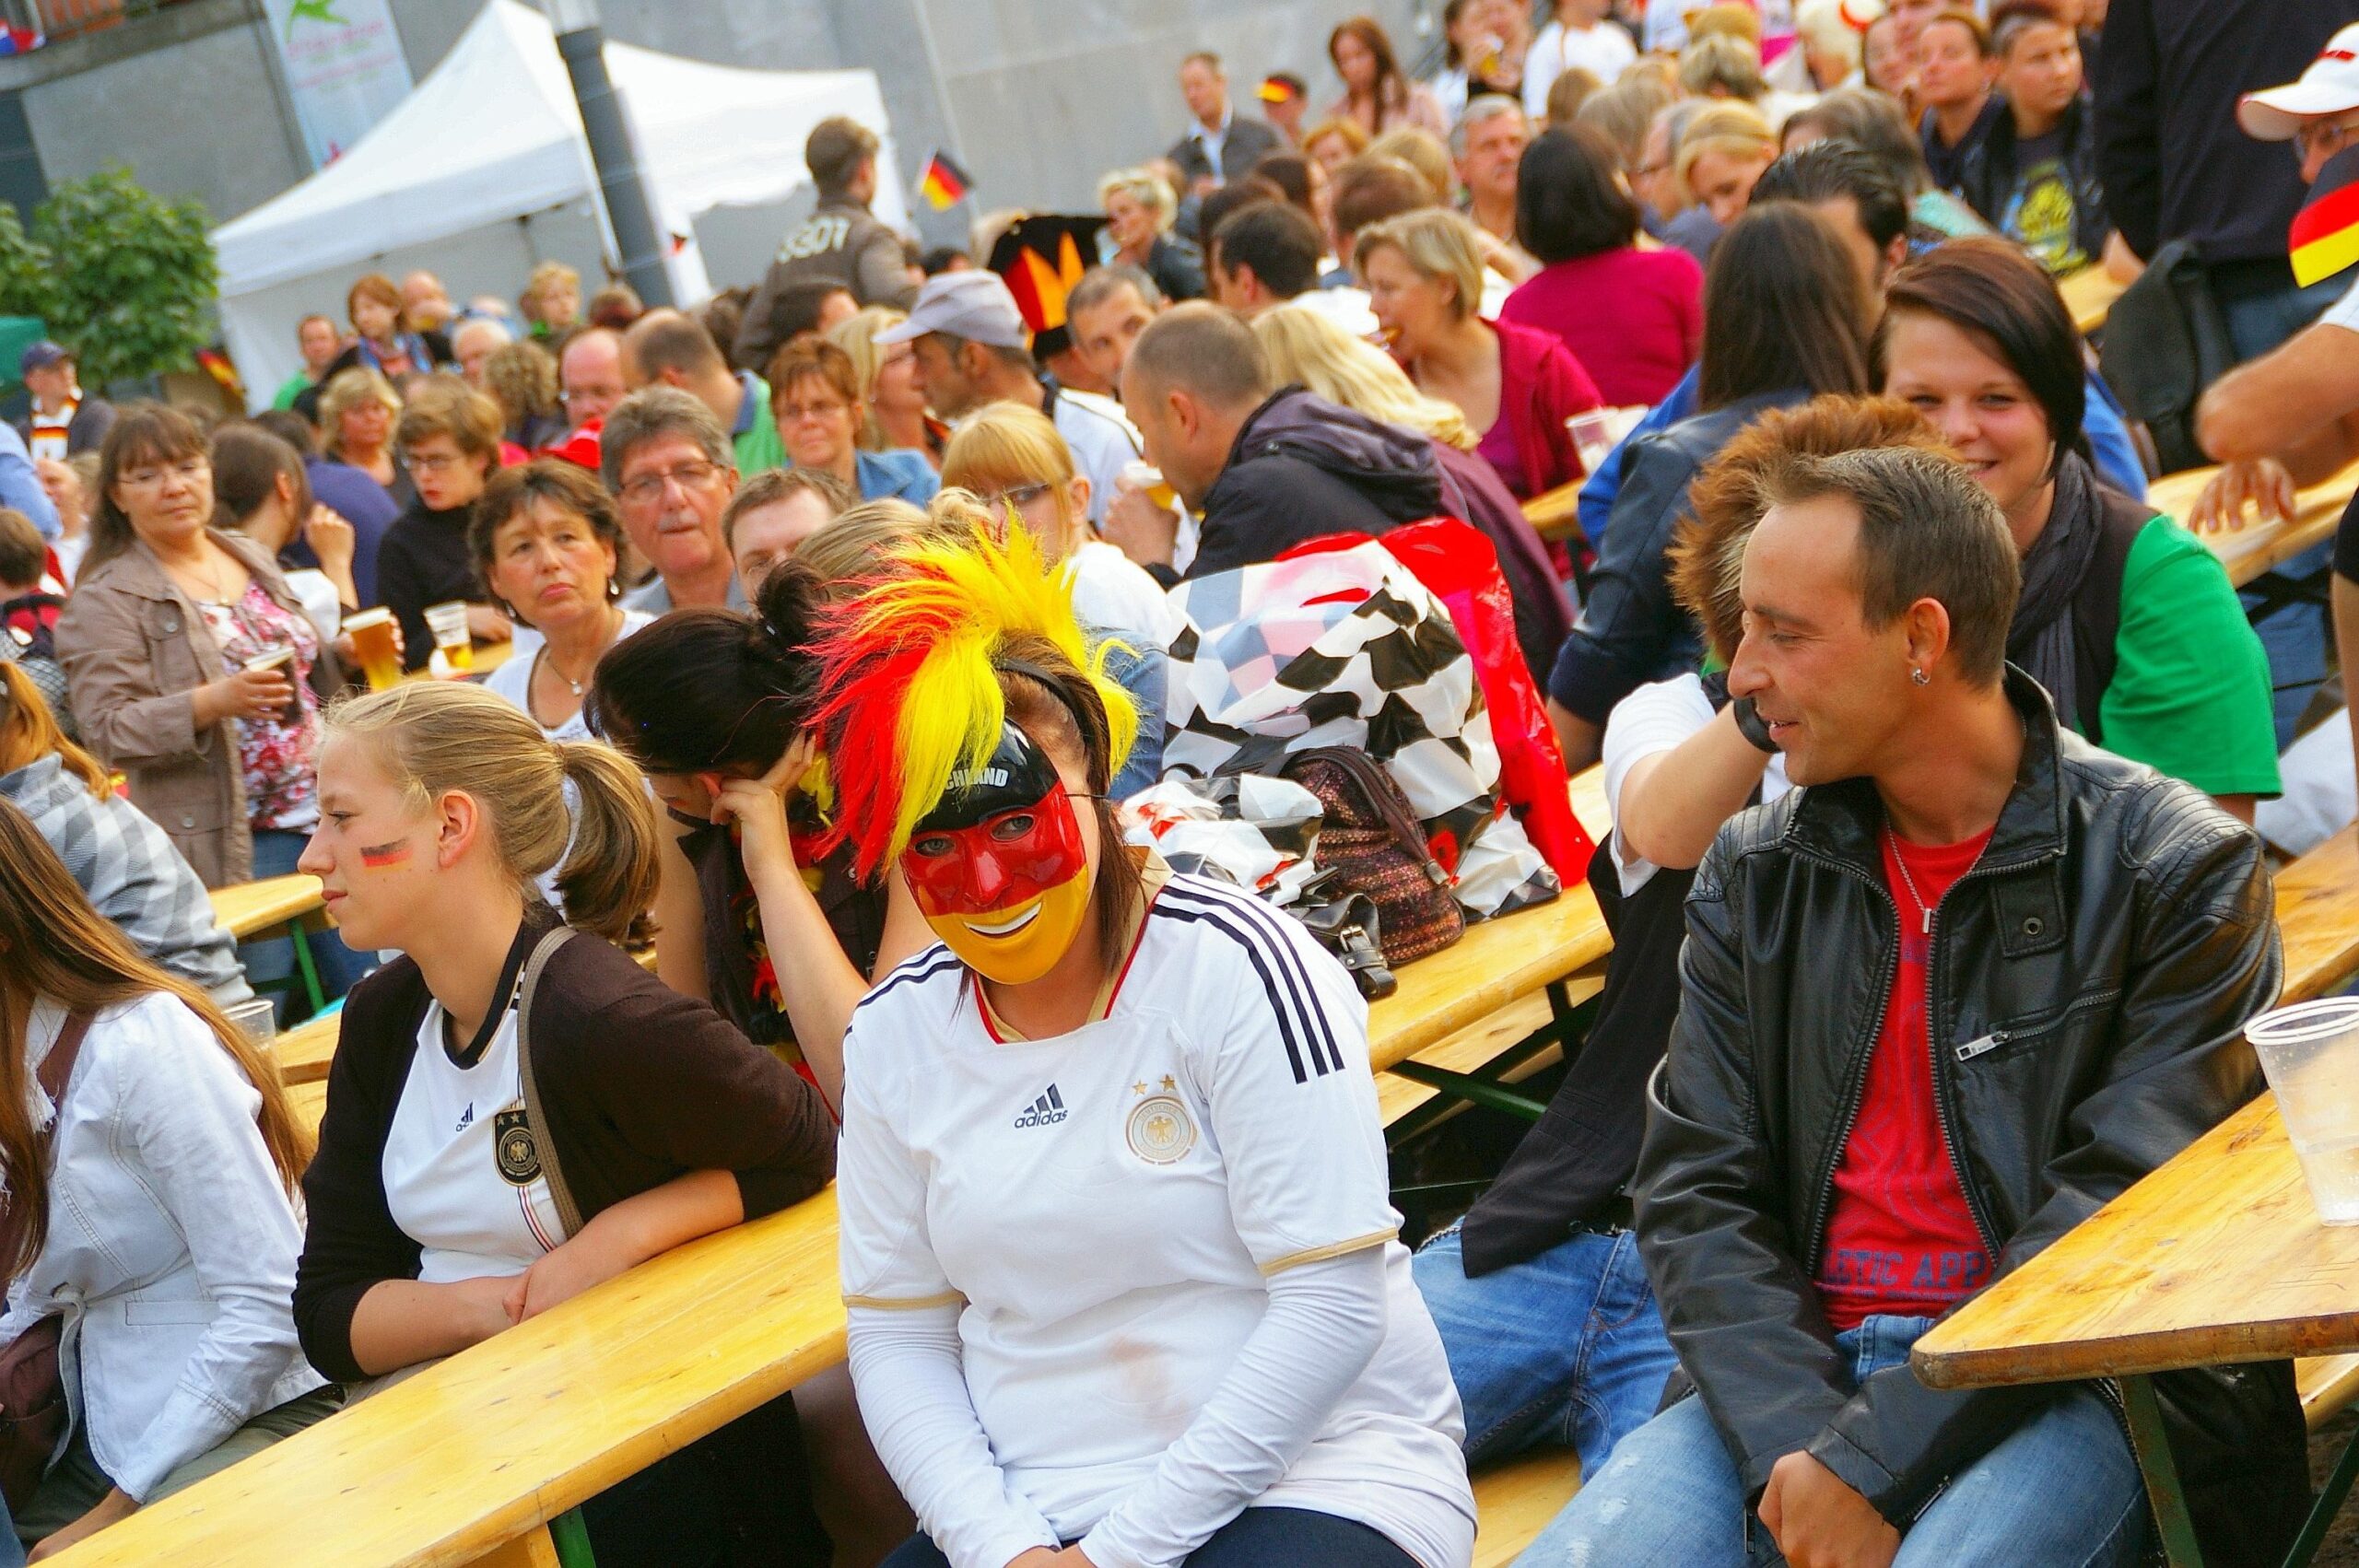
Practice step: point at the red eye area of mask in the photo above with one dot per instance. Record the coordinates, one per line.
(1005, 859)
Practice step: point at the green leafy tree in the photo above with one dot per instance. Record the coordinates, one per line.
(28, 273)
(131, 277)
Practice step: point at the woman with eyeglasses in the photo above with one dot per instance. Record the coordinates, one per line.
(814, 397)
(1013, 459)
(450, 438)
(892, 398)
(193, 669)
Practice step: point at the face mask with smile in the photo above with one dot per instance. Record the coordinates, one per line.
(998, 868)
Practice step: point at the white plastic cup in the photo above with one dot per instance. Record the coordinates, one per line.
(2310, 1053)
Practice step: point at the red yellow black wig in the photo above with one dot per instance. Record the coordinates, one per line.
(910, 669)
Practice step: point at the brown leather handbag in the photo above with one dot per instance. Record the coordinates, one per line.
(33, 1389)
(1371, 842)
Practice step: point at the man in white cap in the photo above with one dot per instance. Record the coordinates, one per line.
(2292, 416)
(971, 348)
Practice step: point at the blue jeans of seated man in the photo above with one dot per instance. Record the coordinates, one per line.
(340, 968)
(1563, 1348)
(2060, 1491)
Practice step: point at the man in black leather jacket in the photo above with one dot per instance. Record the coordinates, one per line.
(1833, 1158)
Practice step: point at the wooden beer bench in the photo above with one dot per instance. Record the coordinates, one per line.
(2253, 554)
(279, 905)
(2089, 293)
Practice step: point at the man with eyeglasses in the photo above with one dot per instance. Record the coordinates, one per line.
(669, 464)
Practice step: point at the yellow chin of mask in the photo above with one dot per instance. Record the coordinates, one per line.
(1023, 941)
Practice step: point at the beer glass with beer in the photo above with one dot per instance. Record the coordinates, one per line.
(373, 641)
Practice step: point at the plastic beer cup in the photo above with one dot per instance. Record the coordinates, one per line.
(2310, 1052)
(448, 622)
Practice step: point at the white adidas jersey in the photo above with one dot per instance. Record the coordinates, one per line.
(1108, 1203)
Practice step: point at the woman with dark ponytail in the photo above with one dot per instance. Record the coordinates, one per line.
(517, 1111)
(715, 707)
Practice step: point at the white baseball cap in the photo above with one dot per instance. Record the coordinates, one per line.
(2329, 87)
(973, 304)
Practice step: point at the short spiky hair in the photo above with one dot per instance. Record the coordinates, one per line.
(913, 670)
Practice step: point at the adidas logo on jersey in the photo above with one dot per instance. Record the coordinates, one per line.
(466, 1118)
(1045, 1111)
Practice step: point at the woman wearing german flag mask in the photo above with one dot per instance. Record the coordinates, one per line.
(1122, 1274)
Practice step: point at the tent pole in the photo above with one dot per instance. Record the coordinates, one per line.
(582, 44)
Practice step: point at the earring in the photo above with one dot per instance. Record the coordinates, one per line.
(1921, 678)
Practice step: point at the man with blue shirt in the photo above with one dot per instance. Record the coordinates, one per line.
(1870, 210)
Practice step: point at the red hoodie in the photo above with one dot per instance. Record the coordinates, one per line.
(1541, 386)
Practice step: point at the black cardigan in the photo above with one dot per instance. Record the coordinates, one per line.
(641, 1084)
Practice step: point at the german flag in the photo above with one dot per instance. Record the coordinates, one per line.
(2326, 232)
(944, 184)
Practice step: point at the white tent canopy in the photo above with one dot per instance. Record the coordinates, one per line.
(483, 169)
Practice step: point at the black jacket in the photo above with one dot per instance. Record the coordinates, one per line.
(641, 1084)
(2175, 165)
(1631, 630)
(1302, 467)
(1989, 168)
(2095, 970)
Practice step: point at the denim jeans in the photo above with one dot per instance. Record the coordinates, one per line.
(340, 968)
(2263, 307)
(2060, 1491)
(1564, 1348)
(1259, 1537)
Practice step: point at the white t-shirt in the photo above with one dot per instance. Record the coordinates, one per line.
(1101, 1209)
(1112, 593)
(1102, 440)
(1653, 720)
(513, 679)
(1346, 305)
(2344, 312)
(444, 1160)
(1604, 51)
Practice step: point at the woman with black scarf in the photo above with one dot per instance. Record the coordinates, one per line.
(2126, 618)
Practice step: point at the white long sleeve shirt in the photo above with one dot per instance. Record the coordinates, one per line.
(171, 1243)
(1067, 1260)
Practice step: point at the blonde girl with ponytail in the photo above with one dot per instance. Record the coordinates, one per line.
(446, 1202)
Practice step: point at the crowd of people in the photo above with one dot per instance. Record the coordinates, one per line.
(832, 622)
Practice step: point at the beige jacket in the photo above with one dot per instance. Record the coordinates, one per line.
(135, 648)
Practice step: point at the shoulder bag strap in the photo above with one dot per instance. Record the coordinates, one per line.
(568, 1212)
(56, 1072)
(56, 1075)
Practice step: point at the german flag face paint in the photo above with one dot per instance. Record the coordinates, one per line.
(999, 869)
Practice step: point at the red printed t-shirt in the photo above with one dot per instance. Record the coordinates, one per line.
(1900, 1238)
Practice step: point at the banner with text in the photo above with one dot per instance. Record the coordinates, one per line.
(343, 68)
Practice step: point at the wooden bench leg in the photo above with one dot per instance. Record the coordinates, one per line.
(2152, 1447)
(563, 1542)
(532, 1550)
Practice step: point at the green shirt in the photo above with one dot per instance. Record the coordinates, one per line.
(290, 389)
(755, 439)
(2191, 695)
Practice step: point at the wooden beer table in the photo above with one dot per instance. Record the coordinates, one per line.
(252, 911)
(2217, 1256)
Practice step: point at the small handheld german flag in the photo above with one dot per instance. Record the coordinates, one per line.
(944, 184)
(2325, 231)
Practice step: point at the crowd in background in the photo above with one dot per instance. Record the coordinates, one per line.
(1863, 577)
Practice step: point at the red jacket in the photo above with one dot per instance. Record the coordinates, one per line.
(1541, 386)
